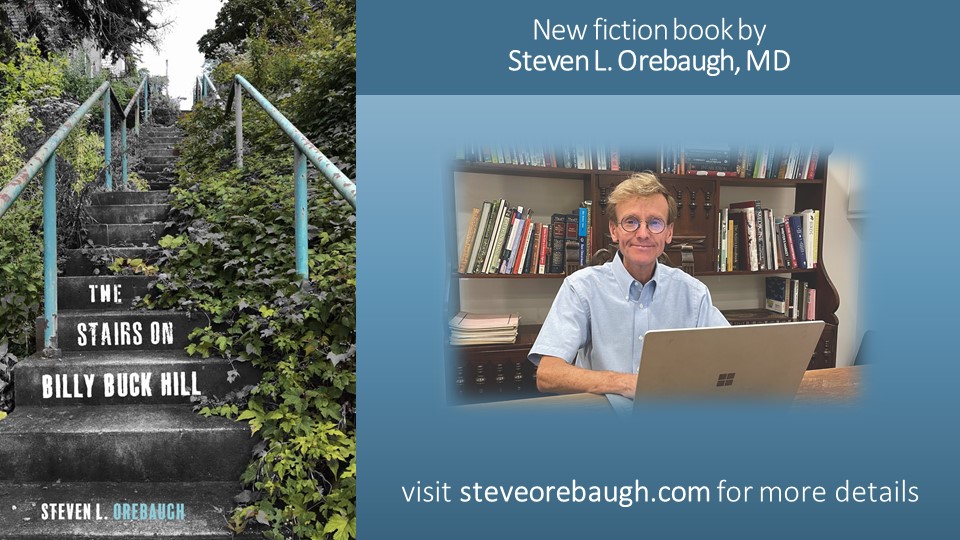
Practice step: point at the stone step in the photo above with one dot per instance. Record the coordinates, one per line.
(103, 234)
(94, 261)
(129, 197)
(125, 330)
(156, 159)
(126, 378)
(100, 292)
(129, 213)
(122, 443)
(166, 151)
(161, 139)
(161, 186)
(35, 511)
(158, 167)
(162, 176)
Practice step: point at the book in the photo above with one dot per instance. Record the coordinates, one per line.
(544, 250)
(520, 222)
(794, 312)
(468, 242)
(812, 168)
(480, 329)
(486, 248)
(484, 225)
(809, 235)
(558, 231)
(796, 233)
(811, 304)
(532, 262)
(505, 220)
(791, 258)
(522, 246)
(748, 238)
(730, 241)
(776, 293)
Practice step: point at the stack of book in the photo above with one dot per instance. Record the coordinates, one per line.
(482, 329)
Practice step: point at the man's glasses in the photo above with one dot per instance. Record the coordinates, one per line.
(631, 224)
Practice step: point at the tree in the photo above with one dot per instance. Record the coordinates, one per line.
(114, 26)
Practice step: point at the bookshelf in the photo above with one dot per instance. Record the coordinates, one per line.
(483, 372)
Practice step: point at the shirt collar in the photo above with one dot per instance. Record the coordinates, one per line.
(625, 280)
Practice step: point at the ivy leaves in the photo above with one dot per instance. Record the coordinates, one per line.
(232, 258)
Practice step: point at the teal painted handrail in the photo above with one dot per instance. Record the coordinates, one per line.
(303, 151)
(46, 158)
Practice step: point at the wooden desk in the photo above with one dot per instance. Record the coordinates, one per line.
(821, 386)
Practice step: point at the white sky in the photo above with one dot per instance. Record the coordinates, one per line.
(190, 20)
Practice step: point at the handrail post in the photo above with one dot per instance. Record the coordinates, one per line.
(123, 155)
(50, 251)
(238, 105)
(146, 100)
(136, 120)
(107, 143)
(300, 203)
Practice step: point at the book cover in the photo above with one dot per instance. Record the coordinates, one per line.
(478, 244)
(485, 255)
(790, 256)
(748, 238)
(810, 235)
(544, 250)
(811, 304)
(532, 263)
(558, 231)
(776, 293)
(505, 221)
(468, 241)
(796, 233)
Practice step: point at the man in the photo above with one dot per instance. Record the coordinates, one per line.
(601, 313)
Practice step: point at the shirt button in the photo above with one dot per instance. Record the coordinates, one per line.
(640, 338)
(641, 306)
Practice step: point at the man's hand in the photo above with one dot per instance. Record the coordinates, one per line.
(557, 376)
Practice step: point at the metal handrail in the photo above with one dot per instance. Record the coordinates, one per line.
(303, 151)
(202, 87)
(46, 158)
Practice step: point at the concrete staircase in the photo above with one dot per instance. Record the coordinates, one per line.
(103, 442)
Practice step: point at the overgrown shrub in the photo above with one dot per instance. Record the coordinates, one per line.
(235, 261)
(33, 103)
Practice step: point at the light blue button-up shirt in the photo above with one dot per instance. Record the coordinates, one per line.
(601, 314)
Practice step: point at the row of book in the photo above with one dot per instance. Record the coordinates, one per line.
(503, 239)
(751, 238)
(788, 162)
(483, 329)
(582, 156)
(793, 298)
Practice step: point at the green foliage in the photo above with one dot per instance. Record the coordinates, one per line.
(310, 77)
(235, 261)
(28, 110)
(27, 76)
(276, 20)
(121, 266)
(84, 151)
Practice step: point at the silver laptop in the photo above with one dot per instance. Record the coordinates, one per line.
(760, 361)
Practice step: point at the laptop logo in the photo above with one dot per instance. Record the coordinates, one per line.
(726, 379)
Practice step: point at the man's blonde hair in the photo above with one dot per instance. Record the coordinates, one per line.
(644, 184)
